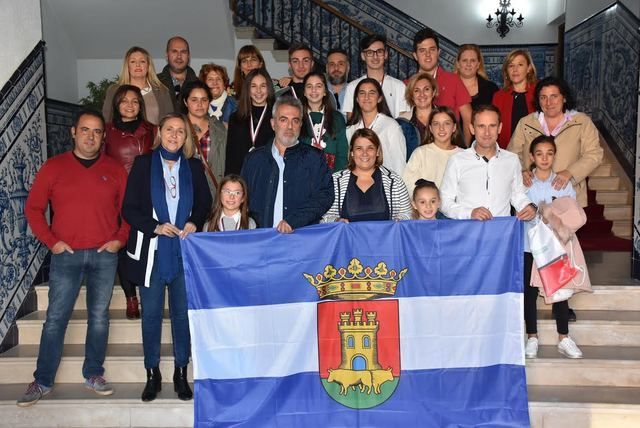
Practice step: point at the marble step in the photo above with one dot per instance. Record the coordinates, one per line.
(604, 297)
(618, 212)
(604, 183)
(124, 363)
(594, 328)
(622, 228)
(71, 405)
(584, 407)
(121, 330)
(246, 33)
(605, 197)
(601, 366)
(603, 170)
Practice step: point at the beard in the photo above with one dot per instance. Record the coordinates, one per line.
(337, 80)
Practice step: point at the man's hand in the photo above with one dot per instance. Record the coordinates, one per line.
(343, 220)
(167, 229)
(561, 180)
(60, 247)
(284, 81)
(188, 228)
(481, 213)
(527, 213)
(284, 227)
(111, 246)
(527, 178)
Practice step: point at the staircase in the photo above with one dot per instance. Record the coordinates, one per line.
(601, 390)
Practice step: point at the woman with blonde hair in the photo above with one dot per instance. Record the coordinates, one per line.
(469, 66)
(167, 198)
(138, 70)
(419, 94)
(515, 99)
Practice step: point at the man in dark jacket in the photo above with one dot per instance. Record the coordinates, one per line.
(177, 71)
(289, 183)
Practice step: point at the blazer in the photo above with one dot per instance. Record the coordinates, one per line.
(137, 210)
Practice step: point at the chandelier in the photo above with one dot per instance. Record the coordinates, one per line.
(504, 19)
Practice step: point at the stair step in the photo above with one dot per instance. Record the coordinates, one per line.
(618, 212)
(603, 170)
(245, 32)
(604, 183)
(606, 197)
(118, 299)
(595, 328)
(583, 406)
(264, 44)
(124, 363)
(71, 405)
(601, 366)
(121, 330)
(604, 297)
(622, 228)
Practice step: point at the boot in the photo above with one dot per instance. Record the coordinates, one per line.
(153, 386)
(180, 384)
(133, 313)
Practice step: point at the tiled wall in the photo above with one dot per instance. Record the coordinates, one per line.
(22, 151)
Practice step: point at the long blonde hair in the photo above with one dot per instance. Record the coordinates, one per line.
(125, 77)
(471, 47)
(531, 73)
(189, 148)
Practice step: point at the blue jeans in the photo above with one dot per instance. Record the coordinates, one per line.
(66, 275)
(152, 302)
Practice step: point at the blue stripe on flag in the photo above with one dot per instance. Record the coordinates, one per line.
(493, 396)
(478, 257)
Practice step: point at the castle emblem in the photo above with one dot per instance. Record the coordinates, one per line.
(358, 334)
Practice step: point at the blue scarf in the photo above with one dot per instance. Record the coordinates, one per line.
(168, 251)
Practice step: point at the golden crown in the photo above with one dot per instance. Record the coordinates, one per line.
(356, 282)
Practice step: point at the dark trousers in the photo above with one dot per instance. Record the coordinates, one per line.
(560, 309)
(128, 287)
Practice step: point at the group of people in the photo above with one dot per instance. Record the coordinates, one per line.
(180, 152)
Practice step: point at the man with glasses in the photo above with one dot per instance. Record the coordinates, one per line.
(373, 51)
(86, 190)
(177, 71)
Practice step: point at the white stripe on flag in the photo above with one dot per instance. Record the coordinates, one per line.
(281, 340)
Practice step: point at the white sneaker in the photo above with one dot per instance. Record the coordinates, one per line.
(531, 348)
(568, 348)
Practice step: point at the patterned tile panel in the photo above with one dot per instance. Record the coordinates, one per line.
(22, 152)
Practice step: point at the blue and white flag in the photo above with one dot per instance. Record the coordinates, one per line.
(373, 324)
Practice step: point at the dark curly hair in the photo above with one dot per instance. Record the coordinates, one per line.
(563, 87)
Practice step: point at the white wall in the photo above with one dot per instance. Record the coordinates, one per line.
(466, 20)
(579, 10)
(60, 57)
(555, 11)
(21, 24)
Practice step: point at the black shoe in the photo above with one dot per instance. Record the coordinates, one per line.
(180, 384)
(153, 386)
(572, 315)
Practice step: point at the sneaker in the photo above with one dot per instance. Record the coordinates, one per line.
(98, 385)
(33, 394)
(531, 348)
(568, 348)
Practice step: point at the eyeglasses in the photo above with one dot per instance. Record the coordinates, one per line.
(172, 186)
(236, 193)
(370, 52)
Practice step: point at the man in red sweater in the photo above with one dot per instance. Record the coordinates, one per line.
(85, 190)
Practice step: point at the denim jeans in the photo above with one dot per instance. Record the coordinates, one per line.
(152, 302)
(66, 275)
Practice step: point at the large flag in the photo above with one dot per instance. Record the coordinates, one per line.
(374, 324)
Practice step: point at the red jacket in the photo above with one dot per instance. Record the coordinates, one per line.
(86, 202)
(124, 146)
(503, 99)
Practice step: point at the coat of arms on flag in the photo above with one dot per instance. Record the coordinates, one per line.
(358, 336)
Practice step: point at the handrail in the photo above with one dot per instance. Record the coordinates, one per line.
(359, 26)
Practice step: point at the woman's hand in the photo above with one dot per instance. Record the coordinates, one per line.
(188, 228)
(561, 180)
(167, 229)
(343, 220)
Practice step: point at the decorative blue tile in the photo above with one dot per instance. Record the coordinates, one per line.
(22, 152)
